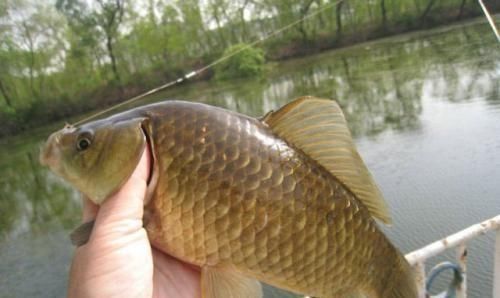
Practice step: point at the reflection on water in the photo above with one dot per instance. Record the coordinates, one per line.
(425, 111)
(34, 199)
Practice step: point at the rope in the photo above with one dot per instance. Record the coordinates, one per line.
(437, 270)
(218, 61)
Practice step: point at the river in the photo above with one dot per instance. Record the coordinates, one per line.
(424, 109)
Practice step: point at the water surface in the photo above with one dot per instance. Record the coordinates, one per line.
(425, 112)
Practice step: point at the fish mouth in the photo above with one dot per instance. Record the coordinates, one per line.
(153, 164)
(49, 153)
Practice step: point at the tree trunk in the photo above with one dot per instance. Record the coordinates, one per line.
(151, 13)
(31, 47)
(110, 21)
(242, 20)
(5, 95)
(339, 19)
(219, 31)
(303, 12)
(232, 28)
(384, 14)
(427, 10)
(461, 11)
(109, 45)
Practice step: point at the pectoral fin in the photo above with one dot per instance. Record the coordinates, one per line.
(81, 234)
(218, 283)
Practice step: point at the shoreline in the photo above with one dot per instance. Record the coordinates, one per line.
(47, 113)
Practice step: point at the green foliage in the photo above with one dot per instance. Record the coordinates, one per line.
(244, 61)
(64, 57)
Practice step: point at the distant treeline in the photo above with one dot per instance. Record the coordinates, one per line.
(64, 58)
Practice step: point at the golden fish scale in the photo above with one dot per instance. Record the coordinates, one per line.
(233, 195)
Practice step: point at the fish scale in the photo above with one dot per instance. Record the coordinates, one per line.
(286, 199)
(283, 234)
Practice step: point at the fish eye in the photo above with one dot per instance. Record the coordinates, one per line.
(83, 144)
(84, 141)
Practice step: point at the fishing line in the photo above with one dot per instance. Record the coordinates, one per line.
(218, 61)
(490, 19)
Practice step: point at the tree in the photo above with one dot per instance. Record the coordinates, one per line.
(243, 61)
(461, 10)
(198, 40)
(109, 19)
(96, 24)
(29, 36)
(427, 9)
(383, 11)
(5, 94)
(304, 10)
(338, 18)
(4, 56)
(31, 45)
(291, 11)
(218, 14)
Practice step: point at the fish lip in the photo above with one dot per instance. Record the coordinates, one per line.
(48, 150)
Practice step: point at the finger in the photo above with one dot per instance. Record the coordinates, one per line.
(128, 202)
(89, 209)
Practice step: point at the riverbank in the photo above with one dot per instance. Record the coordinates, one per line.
(300, 48)
(41, 113)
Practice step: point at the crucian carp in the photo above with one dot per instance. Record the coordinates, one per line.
(285, 199)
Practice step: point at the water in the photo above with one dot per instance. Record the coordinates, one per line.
(425, 112)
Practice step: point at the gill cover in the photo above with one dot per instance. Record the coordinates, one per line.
(96, 158)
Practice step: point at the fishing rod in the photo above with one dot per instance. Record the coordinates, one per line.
(210, 65)
(490, 19)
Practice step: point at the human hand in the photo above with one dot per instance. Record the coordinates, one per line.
(118, 260)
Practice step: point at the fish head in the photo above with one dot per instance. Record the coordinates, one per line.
(97, 158)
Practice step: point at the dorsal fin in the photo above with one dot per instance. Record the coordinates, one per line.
(318, 128)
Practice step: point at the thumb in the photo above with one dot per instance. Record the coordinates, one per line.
(127, 205)
(117, 259)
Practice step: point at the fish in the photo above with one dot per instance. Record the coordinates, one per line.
(284, 199)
